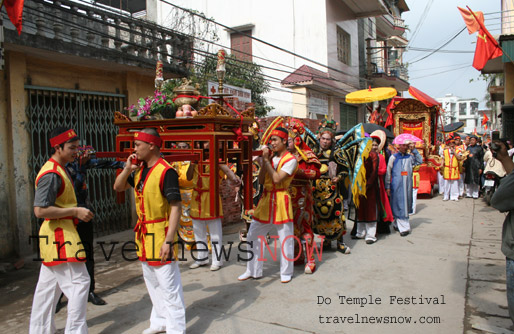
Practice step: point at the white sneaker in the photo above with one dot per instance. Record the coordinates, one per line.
(246, 276)
(196, 265)
(215, 267)
(154, 331)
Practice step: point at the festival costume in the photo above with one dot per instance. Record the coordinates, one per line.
(185, 231)
(399, 181)
(162, 279)
(367, 212)
(386, 214)
(460, 149)
(62, 269)
(473, 164)
(329, 219)
(415, 187)
(274, 209)
(202, 219)
(451, 176)
(301, 193)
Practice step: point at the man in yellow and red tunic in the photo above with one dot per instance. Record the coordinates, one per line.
(157, 195)
(201, 216)
(274, 208)
(460, 148)
(60, 247)
(451, 171)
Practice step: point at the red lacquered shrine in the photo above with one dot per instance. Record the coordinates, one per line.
(213, 125)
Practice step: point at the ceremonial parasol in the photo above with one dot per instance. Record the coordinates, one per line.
(453, 127)
(370, 127)
(370, 95)
(406, 138)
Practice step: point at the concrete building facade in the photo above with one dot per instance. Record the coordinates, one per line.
(73, 65)
(458, 109)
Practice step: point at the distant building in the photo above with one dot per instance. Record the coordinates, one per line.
(457, 109)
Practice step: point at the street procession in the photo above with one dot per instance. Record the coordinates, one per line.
(217, 167)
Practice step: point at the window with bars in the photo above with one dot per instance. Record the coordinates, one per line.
(348, 116)
(462, 109)
(343, 46)
(241, 45)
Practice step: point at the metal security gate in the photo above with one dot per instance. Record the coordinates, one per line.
(91, 114)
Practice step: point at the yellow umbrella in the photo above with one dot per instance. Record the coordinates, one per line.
(370, 95)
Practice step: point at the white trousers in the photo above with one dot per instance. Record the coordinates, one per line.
(73, 280)
(216, 233)
(368, 230)
(403, 225)
(165, 289)
(451, 190)
(472, 190)
(414, 199)
(461, 184)
(441, 180)
(254, 266)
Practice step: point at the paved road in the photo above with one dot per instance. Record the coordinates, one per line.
(443, 278)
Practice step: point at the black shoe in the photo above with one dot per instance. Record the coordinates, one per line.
(404, 234)
(95, 299)
(341, 247)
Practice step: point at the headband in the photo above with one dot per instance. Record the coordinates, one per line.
(63, 137)
(148, 138)
(279, 133)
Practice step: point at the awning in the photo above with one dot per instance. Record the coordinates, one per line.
(422, 97)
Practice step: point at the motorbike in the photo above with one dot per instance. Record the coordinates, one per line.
(491, 183)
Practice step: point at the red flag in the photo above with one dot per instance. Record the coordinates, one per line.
(14, 9)
(470, 20)
(485, 119)
(487, 48)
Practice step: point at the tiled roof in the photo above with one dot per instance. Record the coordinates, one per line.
(306, 74)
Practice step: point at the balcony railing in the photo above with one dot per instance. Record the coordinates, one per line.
(77, 28)
(396, 70)
(399, 23)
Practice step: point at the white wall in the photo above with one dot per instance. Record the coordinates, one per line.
(297, 26)
(339, 15)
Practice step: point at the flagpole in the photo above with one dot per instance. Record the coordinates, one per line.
(494, 39)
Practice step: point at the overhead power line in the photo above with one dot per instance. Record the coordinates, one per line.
(259, 40)
(442, 46)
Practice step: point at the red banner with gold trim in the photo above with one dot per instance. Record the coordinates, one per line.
(413, 128)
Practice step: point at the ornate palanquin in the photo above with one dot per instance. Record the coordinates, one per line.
(412, 116)
(213, 125)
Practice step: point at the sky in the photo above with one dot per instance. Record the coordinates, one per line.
(444, 73)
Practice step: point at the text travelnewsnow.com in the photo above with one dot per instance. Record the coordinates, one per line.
(364, 301)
